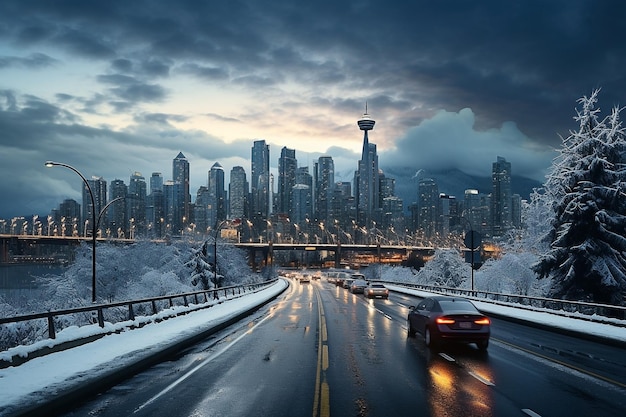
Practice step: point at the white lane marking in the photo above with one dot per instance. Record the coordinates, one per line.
(481, 379)
(530, 412)
(447, 357)
(198, 367)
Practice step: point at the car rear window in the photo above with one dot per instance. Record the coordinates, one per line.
(457, 305)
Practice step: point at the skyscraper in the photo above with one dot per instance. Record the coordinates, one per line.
(238, 193)
(366, 178)
(217, 195)
(136, 203)
(172, 196)
(201, 210)
(99, 189)
(156, 182)
(324, 185)
(428, 216)
(116, 213)
(287, 166)
(180, 174)
(260, 180)
(301, 204)
(501, 197)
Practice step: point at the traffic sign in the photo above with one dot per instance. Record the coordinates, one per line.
(472, 239)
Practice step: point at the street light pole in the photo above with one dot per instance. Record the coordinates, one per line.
(50, 164)
(218, 227)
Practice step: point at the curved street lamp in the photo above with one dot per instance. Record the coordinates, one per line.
(51, 164)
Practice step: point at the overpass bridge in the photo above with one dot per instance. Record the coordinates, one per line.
(43, 249)
(376, 253)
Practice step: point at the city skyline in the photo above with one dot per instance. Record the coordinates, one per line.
(119, 87)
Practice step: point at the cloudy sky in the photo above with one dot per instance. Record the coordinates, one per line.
(113, 87)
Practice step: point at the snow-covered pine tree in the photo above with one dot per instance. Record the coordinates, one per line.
(587, 188)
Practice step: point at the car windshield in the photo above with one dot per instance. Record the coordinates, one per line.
(457, 305)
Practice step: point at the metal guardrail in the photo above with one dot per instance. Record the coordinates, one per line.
(98, 313)
(583, 308)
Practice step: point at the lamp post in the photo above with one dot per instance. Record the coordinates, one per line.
(218, 227)
(51, 164)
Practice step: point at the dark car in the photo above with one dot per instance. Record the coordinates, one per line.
(449, 319)
(358, 286)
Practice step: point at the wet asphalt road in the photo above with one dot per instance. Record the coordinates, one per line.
(320, 350)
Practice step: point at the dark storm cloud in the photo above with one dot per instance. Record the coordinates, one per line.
(523, 61)
(499, 75)
(133, 90)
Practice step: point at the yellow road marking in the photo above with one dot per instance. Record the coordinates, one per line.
(321, 401)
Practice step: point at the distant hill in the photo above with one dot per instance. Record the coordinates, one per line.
(452, 182)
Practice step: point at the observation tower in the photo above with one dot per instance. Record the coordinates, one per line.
(366, 122)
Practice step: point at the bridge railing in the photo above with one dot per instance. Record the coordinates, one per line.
(579, 309)
(112, 313)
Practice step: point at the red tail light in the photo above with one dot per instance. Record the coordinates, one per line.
(444, 320)
(484, 321)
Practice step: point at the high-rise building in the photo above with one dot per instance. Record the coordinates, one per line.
(180, 174)
(428, 202)
(68, 216)
(366, 178)
(501, 197)
(303, 176)
(99, 189)
(301, 208)
(448, 214)
(217, 195)
(156, 182)
(476, 212)
(260, 180)
(387, 186)
(116, 213)
(136, 204)
(287, 166)
(201, 210)
(393, 215)
(238, 193)
(324, 185)
(172, 196)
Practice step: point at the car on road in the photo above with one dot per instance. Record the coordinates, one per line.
(358, 286)
(376, 291)
(347, 282)
(441, 319)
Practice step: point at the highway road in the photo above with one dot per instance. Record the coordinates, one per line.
(319, 350)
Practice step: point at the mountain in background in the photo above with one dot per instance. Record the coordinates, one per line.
(452, 182)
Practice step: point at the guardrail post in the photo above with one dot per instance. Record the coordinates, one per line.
(100, 317)
(131, 312)
(185, 301)
(51, 332)
(154, 308)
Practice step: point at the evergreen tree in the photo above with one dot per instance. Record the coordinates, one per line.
(587, 189)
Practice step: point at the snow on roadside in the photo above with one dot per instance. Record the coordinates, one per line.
(45, 377)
